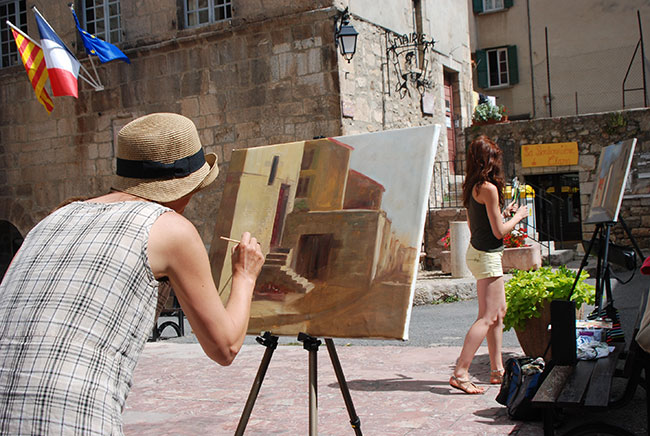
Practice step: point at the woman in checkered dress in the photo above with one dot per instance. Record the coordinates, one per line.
(79, 299)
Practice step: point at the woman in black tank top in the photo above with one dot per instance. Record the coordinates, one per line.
(483, 197)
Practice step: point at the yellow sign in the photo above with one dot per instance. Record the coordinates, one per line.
(548, 155)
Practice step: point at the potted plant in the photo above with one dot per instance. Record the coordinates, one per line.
(487, 113)
(528, 296)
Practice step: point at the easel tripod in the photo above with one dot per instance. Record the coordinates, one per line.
(310, 344)
(602, 233)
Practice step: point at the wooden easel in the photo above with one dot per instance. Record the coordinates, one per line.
(310, 344)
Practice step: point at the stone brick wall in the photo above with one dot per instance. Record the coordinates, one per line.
(592, 133)
(258, 81)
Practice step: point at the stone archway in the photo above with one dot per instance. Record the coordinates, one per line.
(10, 242)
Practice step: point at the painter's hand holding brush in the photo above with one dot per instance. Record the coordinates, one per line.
(510, 209)
(247, 259)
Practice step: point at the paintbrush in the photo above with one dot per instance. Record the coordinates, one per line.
(229, 239)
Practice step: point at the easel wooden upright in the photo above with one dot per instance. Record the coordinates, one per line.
(310, 344)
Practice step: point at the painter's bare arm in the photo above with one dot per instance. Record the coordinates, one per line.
(176, 251)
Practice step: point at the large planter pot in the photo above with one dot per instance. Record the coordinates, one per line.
(522, 258)
(535, 336)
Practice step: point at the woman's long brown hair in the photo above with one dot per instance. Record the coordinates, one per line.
(483, 165)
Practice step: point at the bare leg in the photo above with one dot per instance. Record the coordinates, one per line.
(492, 305)
(495, 332)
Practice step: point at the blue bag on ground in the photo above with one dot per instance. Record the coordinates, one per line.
(521, 379)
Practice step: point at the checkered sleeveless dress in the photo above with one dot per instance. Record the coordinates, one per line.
(77, 305)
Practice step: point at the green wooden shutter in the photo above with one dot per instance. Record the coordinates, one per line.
(478, 6)
(513, 68)
(482, 68)
(507, 3)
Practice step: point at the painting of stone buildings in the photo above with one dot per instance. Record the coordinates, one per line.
(341, 222)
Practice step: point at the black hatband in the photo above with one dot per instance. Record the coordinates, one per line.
(148, 169)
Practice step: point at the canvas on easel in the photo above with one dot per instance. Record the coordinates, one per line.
(341, 220)
(611, 176)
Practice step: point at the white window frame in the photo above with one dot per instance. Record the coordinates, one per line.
(501, 67)
(106, 23)
(8, 50)
(201, 12)
(493, 5)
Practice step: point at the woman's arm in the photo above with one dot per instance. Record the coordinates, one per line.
(176, 251)
(488, 195)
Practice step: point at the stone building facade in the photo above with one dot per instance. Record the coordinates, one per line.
(591, 133)
(557, 58)
(269, 74)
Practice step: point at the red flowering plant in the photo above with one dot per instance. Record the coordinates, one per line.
(445, 240)
(516, 238)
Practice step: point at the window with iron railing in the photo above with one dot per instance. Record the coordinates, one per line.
(14, 11)
(102, 19)
(201, 12)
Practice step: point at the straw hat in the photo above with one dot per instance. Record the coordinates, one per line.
(160, 158)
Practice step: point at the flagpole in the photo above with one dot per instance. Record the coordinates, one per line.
(88, 80)
(23, 34)
(92, 62)
(100, 86)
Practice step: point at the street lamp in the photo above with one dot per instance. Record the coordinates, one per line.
(345, 36)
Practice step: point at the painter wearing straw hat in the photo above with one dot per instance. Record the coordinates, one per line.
(79, 300)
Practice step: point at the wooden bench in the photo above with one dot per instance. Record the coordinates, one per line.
(583, 386)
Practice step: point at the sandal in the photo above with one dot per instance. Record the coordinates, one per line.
(496, 376)
(465, 385)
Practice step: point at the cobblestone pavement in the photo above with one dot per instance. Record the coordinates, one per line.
(395, 391)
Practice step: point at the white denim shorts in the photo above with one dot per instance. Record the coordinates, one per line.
(484, 264)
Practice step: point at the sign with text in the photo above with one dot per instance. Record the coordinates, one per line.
(548, 155)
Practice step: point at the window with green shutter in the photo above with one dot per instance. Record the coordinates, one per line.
(497, 67)
(480, 6)
(513, 68)
(482, 68)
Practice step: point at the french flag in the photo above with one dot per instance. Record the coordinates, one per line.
(62, 66)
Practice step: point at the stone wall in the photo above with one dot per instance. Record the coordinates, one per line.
(258, 81)
(592, 133)
(437, 225)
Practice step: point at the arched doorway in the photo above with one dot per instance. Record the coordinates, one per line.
(10, 242)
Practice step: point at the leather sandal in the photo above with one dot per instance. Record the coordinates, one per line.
(496, 376)
(465, 385)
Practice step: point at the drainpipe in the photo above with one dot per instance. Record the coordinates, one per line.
(530, 57)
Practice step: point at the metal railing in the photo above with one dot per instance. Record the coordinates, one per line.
(447, 188)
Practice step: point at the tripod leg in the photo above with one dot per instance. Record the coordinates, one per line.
(313, 393)
(270, 342)
(354, 419)
(585, 260)
(629, 235)
(311, 344)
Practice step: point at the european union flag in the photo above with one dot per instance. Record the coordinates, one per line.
(105, 51)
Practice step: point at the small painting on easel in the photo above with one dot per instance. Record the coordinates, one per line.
(611, 176)
(341, 222)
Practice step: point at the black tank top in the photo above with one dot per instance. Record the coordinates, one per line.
(482, 237)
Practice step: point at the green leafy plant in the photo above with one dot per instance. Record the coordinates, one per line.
(616, 121)
(485, 112)
(528, 291)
